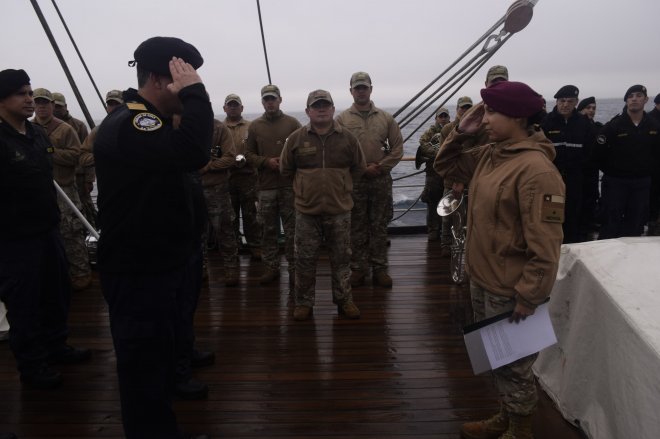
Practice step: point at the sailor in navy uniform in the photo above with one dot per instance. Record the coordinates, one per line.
(146, 217)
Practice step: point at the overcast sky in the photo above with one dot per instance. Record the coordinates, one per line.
(601, 46)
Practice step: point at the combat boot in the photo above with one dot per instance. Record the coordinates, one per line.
(382, 279)
(491, 428)
(348, 310)
(357, 278)
(269, 275)
(80, 283)
(302, 312)
(520, 427)
(231, 277)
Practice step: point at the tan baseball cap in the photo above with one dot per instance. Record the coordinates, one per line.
(42, 93)
(115, 95)
(59, 99)
(319, 95)
(360, 78)
(235, 98)
(270, 90)
(497, 72)
(463, 101)
(442, 110)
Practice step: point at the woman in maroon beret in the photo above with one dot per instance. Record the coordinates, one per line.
(514, 231)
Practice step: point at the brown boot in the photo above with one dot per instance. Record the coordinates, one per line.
(231, 277)
(357, 279)
(382, 279)
(491, 428)
(348, 310)
(520, 427)
(302, 312)
(269, 275)
(80, 283)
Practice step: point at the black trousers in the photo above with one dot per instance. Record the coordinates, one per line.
(144, 317)
(35, 286)
(187, 304)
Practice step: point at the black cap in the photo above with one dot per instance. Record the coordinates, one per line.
(586, 101)
(11, 80)
(657, 99)
(567, 91)
(637, 88)
(154, 54)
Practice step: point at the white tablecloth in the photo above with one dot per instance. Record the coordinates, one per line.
(604, 373)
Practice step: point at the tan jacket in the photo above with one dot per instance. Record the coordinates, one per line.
(78, 125)
(323, 169)
(375, 131)
(239, 131)
(223, 156)
(515, 213)
(266, 137)
(470, 141)
(86, 160)
(67, 150)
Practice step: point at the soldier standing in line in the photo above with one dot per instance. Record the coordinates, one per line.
(61, 111)
(382, 144)
(65, 159)
(573, 136)
(590, 221)
(215, 180)
(324, 160)
(149, 231)
(429, 143)
(266, 137)
(242, 180)
(34, 282)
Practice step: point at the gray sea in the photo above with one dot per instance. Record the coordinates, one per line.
(408, 187)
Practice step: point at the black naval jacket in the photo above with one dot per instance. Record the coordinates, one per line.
(145, 194)
(626, 150)
(28, 201)
(574, 139)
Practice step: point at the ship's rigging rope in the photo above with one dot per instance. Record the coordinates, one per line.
(263, 41)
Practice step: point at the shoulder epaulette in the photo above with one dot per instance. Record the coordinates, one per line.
(136, 106)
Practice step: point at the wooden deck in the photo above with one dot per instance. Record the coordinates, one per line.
(401, 371)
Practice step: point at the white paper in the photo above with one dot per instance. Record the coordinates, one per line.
(502, 342)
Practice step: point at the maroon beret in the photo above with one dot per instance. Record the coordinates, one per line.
(513, 99)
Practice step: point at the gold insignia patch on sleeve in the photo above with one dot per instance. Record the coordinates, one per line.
(147, 122)
(136, 106)
(552, 210)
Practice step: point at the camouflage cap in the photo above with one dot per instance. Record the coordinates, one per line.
(497, 72)
(114, 95)
(463, 101)
(42, 93)
(270, 90)
(441, 110)
(360, 78)
(59, 99)
(319, 95)
(234, 98)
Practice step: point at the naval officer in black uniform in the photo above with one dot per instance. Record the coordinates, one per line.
(147, 223)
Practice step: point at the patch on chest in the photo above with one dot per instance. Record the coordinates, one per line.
(147, 122)
(552, 210)
(306, 149)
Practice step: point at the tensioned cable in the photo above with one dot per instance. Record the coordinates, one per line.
(263, 41)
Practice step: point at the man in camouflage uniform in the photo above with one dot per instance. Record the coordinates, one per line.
(323, 158)
(382, 144)
(65, 159)
(215, 180)
(429, 143)
(83, 169)
(266, 137)
(242, 180)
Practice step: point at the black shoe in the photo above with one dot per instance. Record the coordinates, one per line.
(195, 436)
(202, 358)
(192, 389)
(45, 378)
(70, 355)
(13, 436)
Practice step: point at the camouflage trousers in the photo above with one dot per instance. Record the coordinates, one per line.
(221, 217)
(242, 189)
(73, 234)
(514, 381)
(88, 207)
(311, 231)
(276, 205)
(372, 212)
(434, 190)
